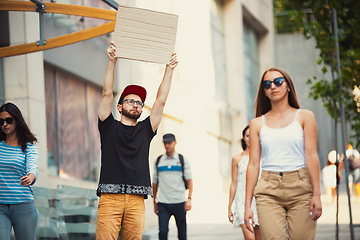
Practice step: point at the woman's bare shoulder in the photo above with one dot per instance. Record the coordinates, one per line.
(306, 118)
(306, 114)
(256, 123)
(236, 159)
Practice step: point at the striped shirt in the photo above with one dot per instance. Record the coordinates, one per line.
(171, 188)
(15, 164)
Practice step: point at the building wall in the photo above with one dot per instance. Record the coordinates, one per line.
(23, 81)
(206, 108)
(298, 56)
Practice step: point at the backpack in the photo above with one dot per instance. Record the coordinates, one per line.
(354, 162)
(181, 157)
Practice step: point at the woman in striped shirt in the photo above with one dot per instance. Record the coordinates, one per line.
(18, 171)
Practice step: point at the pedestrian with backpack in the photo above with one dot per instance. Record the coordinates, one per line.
(171, 180)
(354, 171)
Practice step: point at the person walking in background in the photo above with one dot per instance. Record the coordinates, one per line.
(354, 171)
(18, 171)
(283, 136)
(329, 177)
(237, 190)
(171, 178)
(124, 176)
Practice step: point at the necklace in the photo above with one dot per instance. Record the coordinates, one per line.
(13, 144)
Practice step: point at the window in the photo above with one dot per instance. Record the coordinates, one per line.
(252, 69)
(218, 49)
(73, 139)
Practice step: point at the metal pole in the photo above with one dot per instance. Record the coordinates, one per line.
(37, 2)
(337, 165)
(343, 124)
(337, 195)
(40, 8)
(112, 4)
(42, 40)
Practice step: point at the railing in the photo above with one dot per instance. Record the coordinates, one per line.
(67, 213)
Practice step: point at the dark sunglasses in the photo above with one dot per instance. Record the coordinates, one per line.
(8, 120)
(277, 81)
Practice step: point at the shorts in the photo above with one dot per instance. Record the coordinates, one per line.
(354, 176)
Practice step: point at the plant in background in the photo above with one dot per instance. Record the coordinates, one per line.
(314, 19)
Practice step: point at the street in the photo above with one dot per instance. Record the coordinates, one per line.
(326, 229)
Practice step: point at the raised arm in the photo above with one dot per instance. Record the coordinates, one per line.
(312, 162)
(162, 94)
(233, 185)
(253, 169)
(107, 94)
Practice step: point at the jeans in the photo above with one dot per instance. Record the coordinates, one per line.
(165, 211)
(23, 217)
(125, 210)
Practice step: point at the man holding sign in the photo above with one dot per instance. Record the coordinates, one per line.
(125, 176)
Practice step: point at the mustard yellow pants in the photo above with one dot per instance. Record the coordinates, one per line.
(125, 210)
(283, 205)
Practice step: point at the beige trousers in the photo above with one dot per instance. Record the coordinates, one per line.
(125, 210)
(283, 205)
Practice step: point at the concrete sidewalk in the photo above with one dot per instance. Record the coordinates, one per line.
(326, 229)
(326, 224)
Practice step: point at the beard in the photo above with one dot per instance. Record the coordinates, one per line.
(131, 115)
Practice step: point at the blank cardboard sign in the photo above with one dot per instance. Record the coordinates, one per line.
(145, 35)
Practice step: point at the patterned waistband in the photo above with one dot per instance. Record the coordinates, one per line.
(124, 189)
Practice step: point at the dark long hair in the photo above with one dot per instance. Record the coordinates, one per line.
(262, 103)
(22, 130)
(243, 144)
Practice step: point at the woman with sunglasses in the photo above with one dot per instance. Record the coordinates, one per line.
(18, 171)
(283, 136)
(237, 190)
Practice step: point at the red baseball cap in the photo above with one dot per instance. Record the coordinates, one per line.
(133, 89)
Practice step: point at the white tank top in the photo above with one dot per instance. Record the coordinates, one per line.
(282, 149)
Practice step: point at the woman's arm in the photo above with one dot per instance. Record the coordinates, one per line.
(312, 161)
(234, 174)
(32, 162)
(252, 172)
